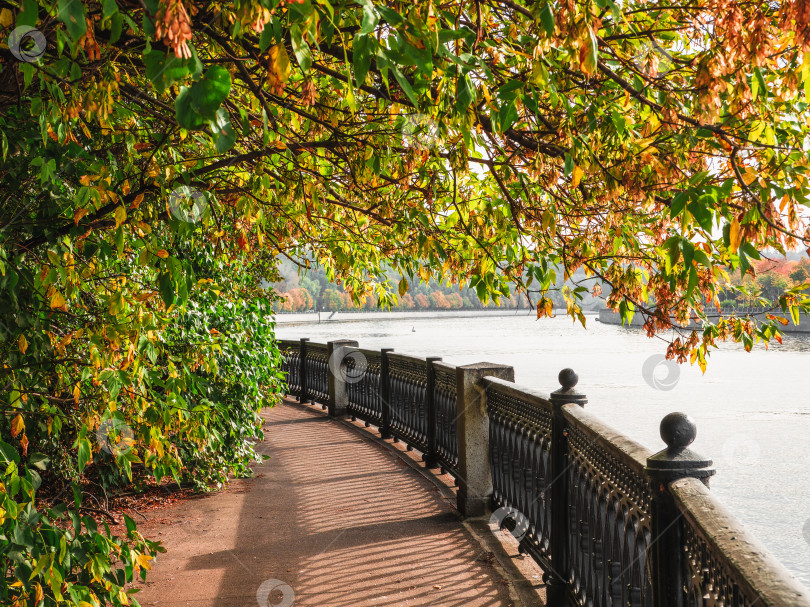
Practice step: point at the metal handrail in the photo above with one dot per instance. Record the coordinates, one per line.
(610, 522)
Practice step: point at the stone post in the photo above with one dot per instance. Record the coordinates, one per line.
(677, 461)
(475, 476)
(337, 351)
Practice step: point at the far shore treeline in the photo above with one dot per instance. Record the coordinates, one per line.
(311, 290)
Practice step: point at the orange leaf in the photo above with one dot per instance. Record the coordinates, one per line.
(17, 426)
(162, 253)
(22, 343)
(780, 319)
(77, 216)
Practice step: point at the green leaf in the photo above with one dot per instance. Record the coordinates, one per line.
(110, 8)
(507, 116)
(164, 69)
(627, 310)
(187, 117)
(131, 526)
(370, 17)
(758, 83)
(568, 167)
(300, 48)
(547, 19)
(688, 250)
(39, 460)
(404, 84)
(29, 13)
(9, 454)
(166, 288)
(619, 122)
(84, 453)
(71, 13)
(678, 204)
(673, 252)
(208, 94)
(465, 93)
(693, 281)
(361, 57)
(794, 314)
(224, 133)
(267, 39)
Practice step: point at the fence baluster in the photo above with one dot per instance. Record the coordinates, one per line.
(303, 397)
(431, 456)
(385, 393)
(560, 530)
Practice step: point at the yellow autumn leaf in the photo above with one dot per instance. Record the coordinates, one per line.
(6, 18)
(17, 426)
(278, 67)
(120, 216)
(76, 394)
(57, 300)
(143, 561)
(576, 177)
(22, 343)
(734, 235)
(162, 253)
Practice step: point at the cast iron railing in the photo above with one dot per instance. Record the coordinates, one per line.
(611, 523)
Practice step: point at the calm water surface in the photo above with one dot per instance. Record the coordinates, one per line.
(752, 409)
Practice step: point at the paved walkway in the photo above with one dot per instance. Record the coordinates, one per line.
(335, 518)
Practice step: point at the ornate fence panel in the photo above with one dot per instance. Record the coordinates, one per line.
(723, 563)
(317, 369)
(291, 365)
(609, 508)
(520, 448)
(407, 377)
(582, 497)
(363, 384)
(444, 398)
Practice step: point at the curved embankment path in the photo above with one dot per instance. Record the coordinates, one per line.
(335, 518)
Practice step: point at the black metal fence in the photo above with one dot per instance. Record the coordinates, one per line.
(610, 522)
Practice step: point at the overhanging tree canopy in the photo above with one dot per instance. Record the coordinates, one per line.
(655, 144)
(157, 155)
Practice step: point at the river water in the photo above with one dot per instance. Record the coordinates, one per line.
(752, 409)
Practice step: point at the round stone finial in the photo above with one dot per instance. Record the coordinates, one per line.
(568, 379)
(678, 430)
